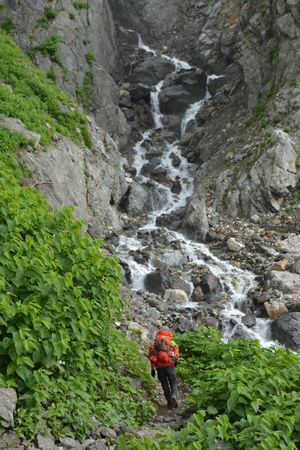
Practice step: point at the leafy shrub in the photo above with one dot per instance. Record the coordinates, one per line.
(83, 91)
(49, 14)
(243, 395)
(90, 57)
(7, 24)
(50, 47)
(51, 74)
(59, 295)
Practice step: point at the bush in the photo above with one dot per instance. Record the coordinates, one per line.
(7, 24)
(59, 295)
(243, 395)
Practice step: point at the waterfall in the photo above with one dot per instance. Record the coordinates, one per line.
(236, 282)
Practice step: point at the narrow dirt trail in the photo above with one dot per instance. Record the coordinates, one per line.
(166, 418)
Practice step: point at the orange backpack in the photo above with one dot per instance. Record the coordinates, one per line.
(163, 352)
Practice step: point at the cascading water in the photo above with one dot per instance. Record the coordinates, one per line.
(235, 282)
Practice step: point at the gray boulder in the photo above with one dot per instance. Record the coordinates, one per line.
(285, 281)
(16, 126)
(10, 440)
(180, 90)
(153, 282)
(286, 330)
(210, 285)
(175, 296)
(193, 81)
(45, 442)
(139, 92)
(249, 320)
(174, 100)
(151, 71)
(195, 222)
(296, 266)
(264, 188)
(8, 401)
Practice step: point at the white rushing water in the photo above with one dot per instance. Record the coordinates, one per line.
(235, 282)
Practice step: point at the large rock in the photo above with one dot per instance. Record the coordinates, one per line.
(296, 266)
(151, 71)
(234, 245)
(275, 309)
(153, 282)
(287, 330)
(285, 281)
(92, 181)
(210, 285)
(180, 90)
(195, 222)
(142, 199)
(175, 296)
(193, 81)
(10, 440)
(8, 402)
(174, 100)
(168, 258)
(264, 187)
(16, 126)
(139, 92)
(45, 442)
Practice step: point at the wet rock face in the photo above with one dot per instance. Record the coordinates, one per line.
(151, 71)
(181, 90)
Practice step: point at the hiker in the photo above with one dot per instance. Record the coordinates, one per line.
(163, 355)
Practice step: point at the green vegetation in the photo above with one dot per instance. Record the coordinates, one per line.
(50, 47)
(49, 14)
(72, 16)
(243, 395)
(7, 24)
(59, 293)
(51, 74)
(90, 57)
(35, 99)
(231, 184)
(80, 5)
(83, 91)
(276, 119)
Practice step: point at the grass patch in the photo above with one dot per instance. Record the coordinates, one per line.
(49, 14)
(80, 5)
(35, 99)
(7, 24)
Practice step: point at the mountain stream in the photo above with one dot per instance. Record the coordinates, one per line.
(235, 282)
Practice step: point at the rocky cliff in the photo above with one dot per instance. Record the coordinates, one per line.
(73, 41)
(251, 115)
